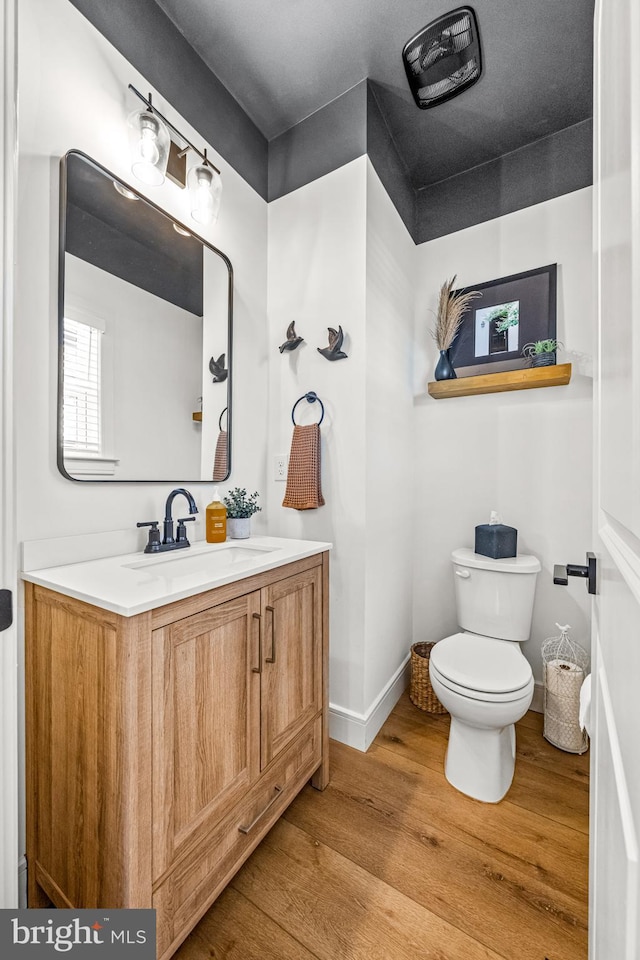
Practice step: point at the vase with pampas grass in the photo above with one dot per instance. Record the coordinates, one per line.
(451, 308)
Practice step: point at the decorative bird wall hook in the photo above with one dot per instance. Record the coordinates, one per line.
(333, 351)
(292, 340)
(218, 369)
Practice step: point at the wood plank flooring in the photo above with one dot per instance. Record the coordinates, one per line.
(392, 863)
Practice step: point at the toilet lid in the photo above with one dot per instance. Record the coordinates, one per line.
(481, 663)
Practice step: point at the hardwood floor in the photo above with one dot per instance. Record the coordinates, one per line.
(391, 863)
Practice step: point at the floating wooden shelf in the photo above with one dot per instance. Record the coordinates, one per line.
(529, 378)
(198, 416)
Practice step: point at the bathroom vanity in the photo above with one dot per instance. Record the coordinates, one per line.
(164, 739)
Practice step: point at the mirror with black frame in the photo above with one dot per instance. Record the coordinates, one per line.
(145, 338)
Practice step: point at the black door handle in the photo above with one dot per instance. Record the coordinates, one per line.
(6, 609)
(562, 572)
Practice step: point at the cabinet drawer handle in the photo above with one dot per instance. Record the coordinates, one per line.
(272, 658)
(258, 669)
(247, 829)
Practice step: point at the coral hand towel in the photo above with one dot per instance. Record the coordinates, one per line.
(304, 491)
(221, 458)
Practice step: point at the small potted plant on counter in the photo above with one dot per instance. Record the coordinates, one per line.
(541, 353)
(240, 509)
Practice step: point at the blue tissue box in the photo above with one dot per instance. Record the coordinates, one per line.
(496, 540)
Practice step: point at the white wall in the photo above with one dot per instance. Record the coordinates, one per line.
(340, 255)
(151, 374)
(73, 94)
(526, 454)
(317, 263)
(391, 257)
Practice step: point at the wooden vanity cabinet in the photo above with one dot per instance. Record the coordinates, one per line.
(162, 747)
(206, 723)
(291, 616)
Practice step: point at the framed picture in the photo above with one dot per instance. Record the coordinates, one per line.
(509, 313)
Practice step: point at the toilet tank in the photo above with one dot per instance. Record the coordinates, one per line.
(495, 597)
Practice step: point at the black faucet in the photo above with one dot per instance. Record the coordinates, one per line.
(168, 519)
(155, 545)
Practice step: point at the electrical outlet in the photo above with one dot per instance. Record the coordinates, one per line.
(280, 466)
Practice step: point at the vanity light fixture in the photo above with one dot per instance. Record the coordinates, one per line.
(204, 180)
(149, 140)
(205, 191)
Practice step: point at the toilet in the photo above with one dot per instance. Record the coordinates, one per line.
(481, 675)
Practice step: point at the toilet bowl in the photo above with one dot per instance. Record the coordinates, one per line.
(485, 694)
(481, 675)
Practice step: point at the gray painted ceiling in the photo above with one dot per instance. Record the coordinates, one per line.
(286, 59)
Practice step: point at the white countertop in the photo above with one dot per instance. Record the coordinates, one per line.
(133, 583)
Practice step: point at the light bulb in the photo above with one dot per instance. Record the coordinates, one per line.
(205, 188)
(203, 208)
(149, 147)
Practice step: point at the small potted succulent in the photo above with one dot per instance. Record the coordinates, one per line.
(541, 353)
(240, 509)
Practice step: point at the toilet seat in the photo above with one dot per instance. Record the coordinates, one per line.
(481, 695)
(482, 668)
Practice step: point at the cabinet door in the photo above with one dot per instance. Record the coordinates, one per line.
(292, 658)
(206, 722)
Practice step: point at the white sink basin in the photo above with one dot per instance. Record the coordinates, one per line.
(205, 562)
(129, 584)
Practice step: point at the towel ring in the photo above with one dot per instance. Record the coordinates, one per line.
(220, 418)
(311, 397)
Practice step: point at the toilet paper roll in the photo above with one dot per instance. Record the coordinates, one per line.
(562, 708)
(563, 681)
(566, 736)
(563, 678)
(584, 715)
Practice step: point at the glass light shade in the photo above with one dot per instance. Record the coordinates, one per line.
(205, 192)
(150, 141)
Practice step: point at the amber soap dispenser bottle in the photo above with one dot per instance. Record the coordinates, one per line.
(216, 519)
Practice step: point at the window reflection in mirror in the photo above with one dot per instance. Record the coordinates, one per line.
(144, 308)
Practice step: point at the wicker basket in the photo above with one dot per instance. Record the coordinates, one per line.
(421, 692)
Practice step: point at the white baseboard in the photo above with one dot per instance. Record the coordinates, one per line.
(537, 704)
(22, 882)
(359, 730)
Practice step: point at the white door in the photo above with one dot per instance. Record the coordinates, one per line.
(8, 641)
(615, 762)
